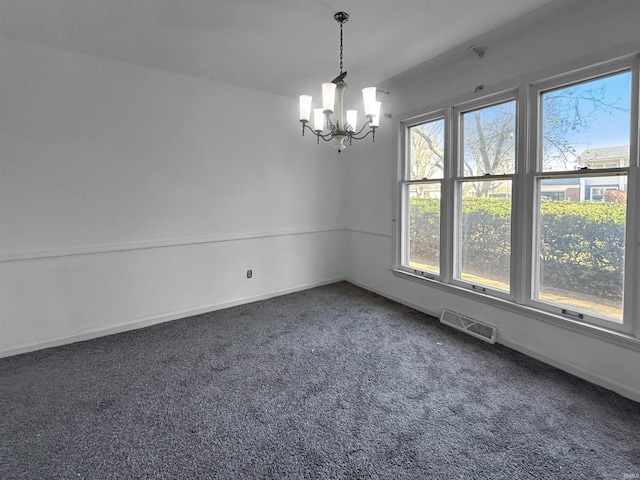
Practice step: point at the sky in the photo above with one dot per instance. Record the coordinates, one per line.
(607, 127)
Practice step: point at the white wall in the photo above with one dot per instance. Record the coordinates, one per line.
(575, 35)
(130, 196)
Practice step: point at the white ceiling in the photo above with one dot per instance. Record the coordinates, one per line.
(281, 46)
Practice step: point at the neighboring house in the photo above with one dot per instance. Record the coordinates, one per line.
(607, 157)
(594, 188)
(560, 189)
(590, 187)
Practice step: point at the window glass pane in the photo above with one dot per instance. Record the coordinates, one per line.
(587, 124)
(424, 227)
(426, 147)
(581, 243)
(485, 233)
(489, 140)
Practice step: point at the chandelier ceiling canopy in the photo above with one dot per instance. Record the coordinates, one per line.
(344, 128)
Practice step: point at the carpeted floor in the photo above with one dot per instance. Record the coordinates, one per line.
(333, 382)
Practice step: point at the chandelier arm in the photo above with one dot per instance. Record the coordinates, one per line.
(329, 136)
(368, 122)
(304, 126)
(355, 135)
(333, 132)
(369, 132)
(326, 136)
(317, 134)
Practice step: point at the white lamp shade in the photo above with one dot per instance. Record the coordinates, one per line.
(318, 119)
(305, 108)
(375, 120)
(352, 118)
(369, 99)
(328, 96)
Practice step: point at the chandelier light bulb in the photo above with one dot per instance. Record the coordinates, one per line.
(352, 119)
(375, 119)
(305, 108)
(328, 97)
(369, 100)
(318, 119)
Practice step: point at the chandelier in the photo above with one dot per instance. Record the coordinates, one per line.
(345, 127)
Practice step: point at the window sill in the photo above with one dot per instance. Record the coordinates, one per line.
(600, 333)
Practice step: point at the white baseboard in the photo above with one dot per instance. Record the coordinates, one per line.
(624, 390)
(396, 299)
(161, 318)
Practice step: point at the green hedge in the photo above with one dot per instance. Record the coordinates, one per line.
(581, 249)
(424, 232)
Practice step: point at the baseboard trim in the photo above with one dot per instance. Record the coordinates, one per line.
(161, 318)
(402, 301)
(624, 390)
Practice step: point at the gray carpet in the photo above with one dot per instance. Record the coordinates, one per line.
(333, 382)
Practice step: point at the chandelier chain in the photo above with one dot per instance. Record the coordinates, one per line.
(341, 47)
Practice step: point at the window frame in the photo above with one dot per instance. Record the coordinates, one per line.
(406, 182)
(536, 173)
(524, 208)
(458, 178)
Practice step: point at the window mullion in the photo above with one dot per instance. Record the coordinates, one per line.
(632, 254)
(448, 196)
(632, 260)
(520, 262)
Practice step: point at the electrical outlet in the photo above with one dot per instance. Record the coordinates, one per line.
(249, 273)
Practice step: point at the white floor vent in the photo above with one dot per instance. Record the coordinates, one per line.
(469, 325)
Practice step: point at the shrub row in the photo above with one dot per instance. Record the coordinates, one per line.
(581, 243)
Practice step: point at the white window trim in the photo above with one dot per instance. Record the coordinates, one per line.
(457, 176)
(535, 171)
(524, 206)
(404, 182)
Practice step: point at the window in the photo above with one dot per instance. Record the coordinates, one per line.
(580, 256)
(463, 179)
(486, 164)
(423, 191)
